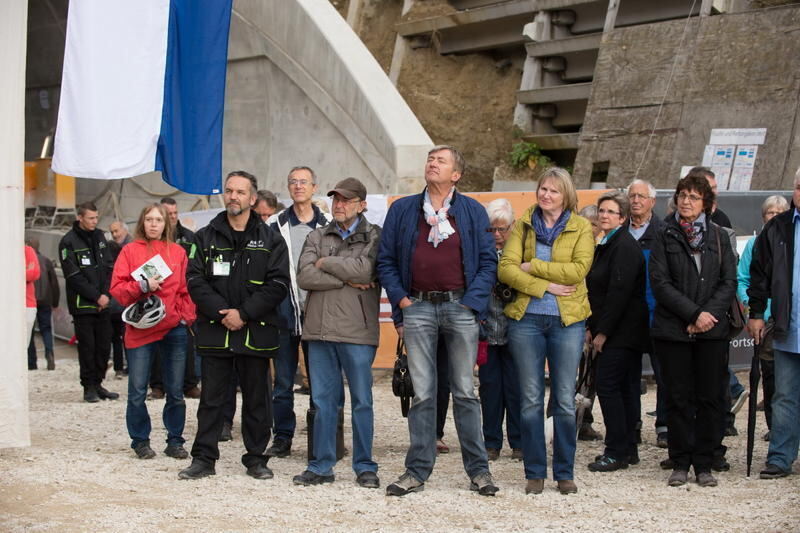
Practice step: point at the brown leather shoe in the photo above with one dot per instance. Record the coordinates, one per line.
(492, 453)
(567, 486)
(516, 454)
(194, 392)
(156, 393)
(534, 486)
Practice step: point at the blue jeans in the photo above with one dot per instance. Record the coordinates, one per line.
(283, 393)
(173, 360)
(533, 339)
(499, 391)
(326, 360)
(423, 323)
(785, 436)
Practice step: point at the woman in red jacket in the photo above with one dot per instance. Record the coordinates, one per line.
(139, 275)
(31, 275)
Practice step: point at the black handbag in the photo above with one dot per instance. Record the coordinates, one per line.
(401, 379)
(735, 313)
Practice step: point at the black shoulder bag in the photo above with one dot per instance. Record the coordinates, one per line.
(401, 379)
(735, 312)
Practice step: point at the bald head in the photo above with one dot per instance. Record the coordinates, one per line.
(119, 230)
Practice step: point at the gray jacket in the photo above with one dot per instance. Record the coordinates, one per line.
(335, 311)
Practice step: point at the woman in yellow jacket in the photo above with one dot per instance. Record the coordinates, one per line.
(546, 259)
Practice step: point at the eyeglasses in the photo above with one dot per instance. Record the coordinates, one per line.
(682, 197)
(498, 230)
(637, 196)
(344, 201)
(301, 183)
(607, 212)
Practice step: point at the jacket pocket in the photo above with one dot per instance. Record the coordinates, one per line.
(212, 335)
(261, 337)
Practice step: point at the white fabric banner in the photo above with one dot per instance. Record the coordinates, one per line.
(112, 89)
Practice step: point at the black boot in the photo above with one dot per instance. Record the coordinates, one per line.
(51, 359)
(90, 395)
(106, 394)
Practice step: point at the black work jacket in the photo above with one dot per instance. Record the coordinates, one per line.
(616, 285)
(682, 292)
(771, 272)
(87, 264)
(257, 281)
(184, 237)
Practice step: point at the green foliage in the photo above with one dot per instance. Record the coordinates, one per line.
(522, 153)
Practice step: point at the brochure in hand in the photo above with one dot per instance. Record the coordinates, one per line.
(155, 267)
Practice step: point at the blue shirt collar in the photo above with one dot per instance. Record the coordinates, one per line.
(349, 231)
(796, 215)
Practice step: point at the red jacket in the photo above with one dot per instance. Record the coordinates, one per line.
(172, 292)
(31, 275)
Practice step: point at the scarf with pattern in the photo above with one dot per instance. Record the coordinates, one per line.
(441, 228)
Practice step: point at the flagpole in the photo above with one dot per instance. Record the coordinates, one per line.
(14, 419)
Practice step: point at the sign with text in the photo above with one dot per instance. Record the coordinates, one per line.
(738, 136)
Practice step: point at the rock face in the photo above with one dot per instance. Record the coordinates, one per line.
(730, 71)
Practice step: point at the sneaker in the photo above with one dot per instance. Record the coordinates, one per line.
(534, 486)
(441, 447)
(226, 433)
(738, 402)
(144, 451)
(196, 470)
(720, 464)
(587, 432)
(678, 478)
(662, 440)
(492, 454)
(310, 478)
(517, 454)
(607, 463)
(106, 394)
(731, 431)
(260, 471)
(567, 486)
(280, 448)
(406, 484)
(773, 472)
(483, 484)
(176, 451)
(156, 393)
(193, 393)
(706, 479)
(667, 464)
(368, 480)
(90, 395)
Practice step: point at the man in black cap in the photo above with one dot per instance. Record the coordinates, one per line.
(337, 268)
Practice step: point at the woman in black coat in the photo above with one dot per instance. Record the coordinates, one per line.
(693, 276)
(618, 331)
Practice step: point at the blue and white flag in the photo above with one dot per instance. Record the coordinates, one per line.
(143, 89)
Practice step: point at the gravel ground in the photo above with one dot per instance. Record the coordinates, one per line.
(80, 474)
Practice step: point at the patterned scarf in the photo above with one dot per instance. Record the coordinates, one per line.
(440, 226)
(544, 234)
(694, 231)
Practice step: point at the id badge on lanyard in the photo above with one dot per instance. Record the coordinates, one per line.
(220, 267)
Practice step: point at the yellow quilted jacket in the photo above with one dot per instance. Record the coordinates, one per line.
(571, 259)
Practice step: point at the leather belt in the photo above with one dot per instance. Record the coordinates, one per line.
(437, 297)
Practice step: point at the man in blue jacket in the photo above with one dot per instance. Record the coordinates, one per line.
(438, 265)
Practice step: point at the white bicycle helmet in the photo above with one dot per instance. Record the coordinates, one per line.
(145, 313)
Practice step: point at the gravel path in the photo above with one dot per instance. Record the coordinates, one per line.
(80, 474)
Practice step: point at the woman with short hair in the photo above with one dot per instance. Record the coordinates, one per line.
(693, 276)
(545, 260)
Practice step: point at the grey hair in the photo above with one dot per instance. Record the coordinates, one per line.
(589, 212)
(121, 223)
(619, 198)
(650, 189)
(776, 201)
(500, 209)
(459, 164)
(310, 171)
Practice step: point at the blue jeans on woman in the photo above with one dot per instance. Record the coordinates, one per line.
(172, 348)
(534, 339)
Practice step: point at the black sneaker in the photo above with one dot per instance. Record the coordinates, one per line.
(368, 480)
(607, 464)
(144, 451)
(90, 395)
(196, 470)
(280, 448)
(260, 471)
(720, 464)
(406, 484)
(310, 478)
(483, 484)
(226, 433)
(176, 451)
(773, 472)
(106, 394)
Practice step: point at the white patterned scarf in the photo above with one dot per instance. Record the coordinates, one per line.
(441, 228)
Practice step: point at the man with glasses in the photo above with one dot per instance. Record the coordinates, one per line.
(294, 224)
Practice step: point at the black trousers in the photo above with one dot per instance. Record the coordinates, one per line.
(618, 379)
(694, 373)
(94, 346)
(118, 348)
(254, 380)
